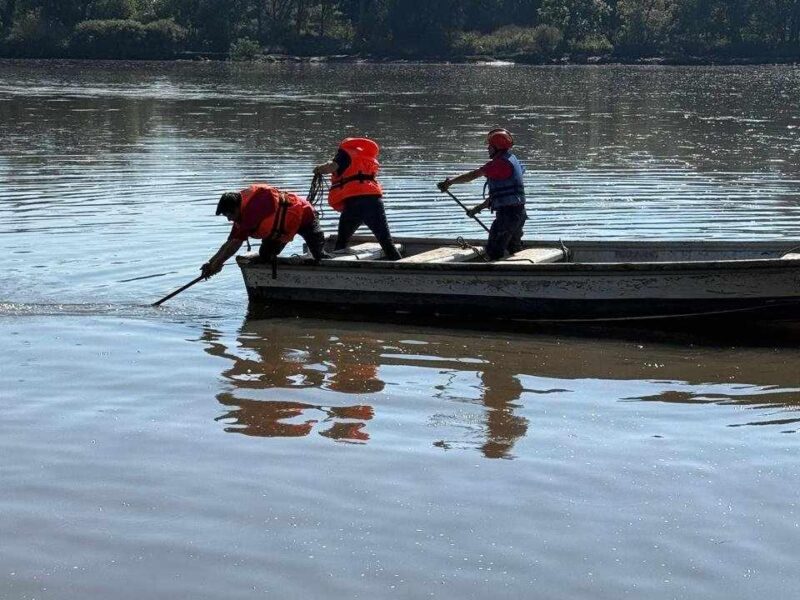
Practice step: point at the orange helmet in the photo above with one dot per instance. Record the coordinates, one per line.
(500, 138)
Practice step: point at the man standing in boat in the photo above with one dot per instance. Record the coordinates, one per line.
(356, 193)
(267, 213)
(506, 194)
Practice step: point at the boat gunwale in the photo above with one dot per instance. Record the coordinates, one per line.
(755, 264)
(502, 267)
(720, 244)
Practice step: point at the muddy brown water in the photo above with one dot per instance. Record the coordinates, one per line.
(191, 451)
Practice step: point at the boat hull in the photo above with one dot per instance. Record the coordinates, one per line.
(602, 281)
(762, 289)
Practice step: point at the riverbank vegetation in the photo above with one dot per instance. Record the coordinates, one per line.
(523, 30)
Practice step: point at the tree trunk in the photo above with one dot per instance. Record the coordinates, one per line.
(260, 22)
(794, 23)
(300, 16)
(361, 30)
(323, 15)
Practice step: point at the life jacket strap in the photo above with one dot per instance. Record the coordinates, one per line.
(279, 225)
(512, 188)
(360, 177)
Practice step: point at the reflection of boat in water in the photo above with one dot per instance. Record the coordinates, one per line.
(582, 281)
(342, 379)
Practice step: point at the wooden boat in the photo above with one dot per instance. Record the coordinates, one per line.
(546, 281)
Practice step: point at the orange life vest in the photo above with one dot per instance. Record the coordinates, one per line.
(359, 179)
(287, 218)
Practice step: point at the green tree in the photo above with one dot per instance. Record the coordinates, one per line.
(111, 9)
(644, 25)
(64, 12)
(417, 27)
(422, 26)
(776, 23)
(326, 15)
(7, 9)
(70, 12)
(577, 19)
(278, 16)
(211, 24)
(699, 25)
(484, 15)
(244, 49)
(368, 18)
(489, 15)
(34, 35)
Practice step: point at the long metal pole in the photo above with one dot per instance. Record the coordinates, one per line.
(466, 210)
(178, 291)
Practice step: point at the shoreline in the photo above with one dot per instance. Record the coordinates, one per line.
(527, 60)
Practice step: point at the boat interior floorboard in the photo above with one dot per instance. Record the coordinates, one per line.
(442, 255)
(536, 256)
(367, 251)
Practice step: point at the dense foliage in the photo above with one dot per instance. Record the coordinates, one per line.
(537, 29)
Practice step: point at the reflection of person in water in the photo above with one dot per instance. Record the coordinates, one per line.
(499, 391)
(272, 418)
(351, 373)
(268, 359)
(270, 356)
(503, 427)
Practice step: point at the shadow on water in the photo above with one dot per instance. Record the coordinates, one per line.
(703, 331)
(354, 372)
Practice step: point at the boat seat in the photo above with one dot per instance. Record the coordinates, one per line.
(536, 256)
(368, 251)
(444, 254)
(791, 256)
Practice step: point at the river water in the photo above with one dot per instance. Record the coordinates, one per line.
(188, 451)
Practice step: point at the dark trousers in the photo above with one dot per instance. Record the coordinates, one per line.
(506, 232)
(313, 236)
(369, 211)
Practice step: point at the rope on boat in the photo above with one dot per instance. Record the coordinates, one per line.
(346, 252)
(316, 194)
(464, 245)
(567, 252)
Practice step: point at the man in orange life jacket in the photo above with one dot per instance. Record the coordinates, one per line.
(506, 194)
(356, 193)
(265, 212)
